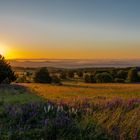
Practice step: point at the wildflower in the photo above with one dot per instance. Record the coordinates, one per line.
(45, 109)
(46, 122)
(49, 107)
(58, 108)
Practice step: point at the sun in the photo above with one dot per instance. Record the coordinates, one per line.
(3, 49)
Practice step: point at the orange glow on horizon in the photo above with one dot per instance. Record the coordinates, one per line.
(103, 50)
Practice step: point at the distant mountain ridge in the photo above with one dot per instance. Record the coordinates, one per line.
(75, 63)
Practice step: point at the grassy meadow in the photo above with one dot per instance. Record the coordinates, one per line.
(78, 110)
(17, 94)
(115, 107)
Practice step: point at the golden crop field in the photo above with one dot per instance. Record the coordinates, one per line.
(95, 92)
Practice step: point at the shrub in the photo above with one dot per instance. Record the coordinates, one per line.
(42, 76)
(22, 79)
(28, 74)
(103, 78)
(6, 73)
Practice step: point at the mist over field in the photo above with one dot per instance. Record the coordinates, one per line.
(75, 63)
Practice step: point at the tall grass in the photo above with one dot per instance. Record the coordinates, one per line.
(48, 121)
(115, 107)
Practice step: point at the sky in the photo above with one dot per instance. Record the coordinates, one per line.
(70, 29)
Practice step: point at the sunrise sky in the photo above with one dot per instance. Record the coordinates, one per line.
(70, 29)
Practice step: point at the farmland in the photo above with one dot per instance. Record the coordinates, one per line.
(94, 92)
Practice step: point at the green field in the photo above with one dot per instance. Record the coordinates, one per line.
(17, 94)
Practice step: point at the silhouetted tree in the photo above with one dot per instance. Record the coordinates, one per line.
(80, 74)
(122, 74)
(63, 75)
(87, 78)
(56, 79)
(71, 74)
(42, 76)
(6, 73)
(92, 79)
(113, 73)
(28, 73)
(103, 78)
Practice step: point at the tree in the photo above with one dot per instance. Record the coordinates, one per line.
(63, 75)
(80, 74)
(103, 78)
(133, 75)
(87, 78)
(71, 74)
(7, 75)
(56, 79)
(92, 79)
(42, 76)
(113, 73)
(122, 74)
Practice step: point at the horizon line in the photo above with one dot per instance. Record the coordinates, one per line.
(72, 58)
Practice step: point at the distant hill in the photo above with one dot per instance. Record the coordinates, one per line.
(74, 63)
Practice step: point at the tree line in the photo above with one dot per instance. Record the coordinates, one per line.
(93, 75)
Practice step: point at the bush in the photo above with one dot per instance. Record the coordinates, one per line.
(42, 76)
(22, 79)
(103, 78)
(6, 74)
